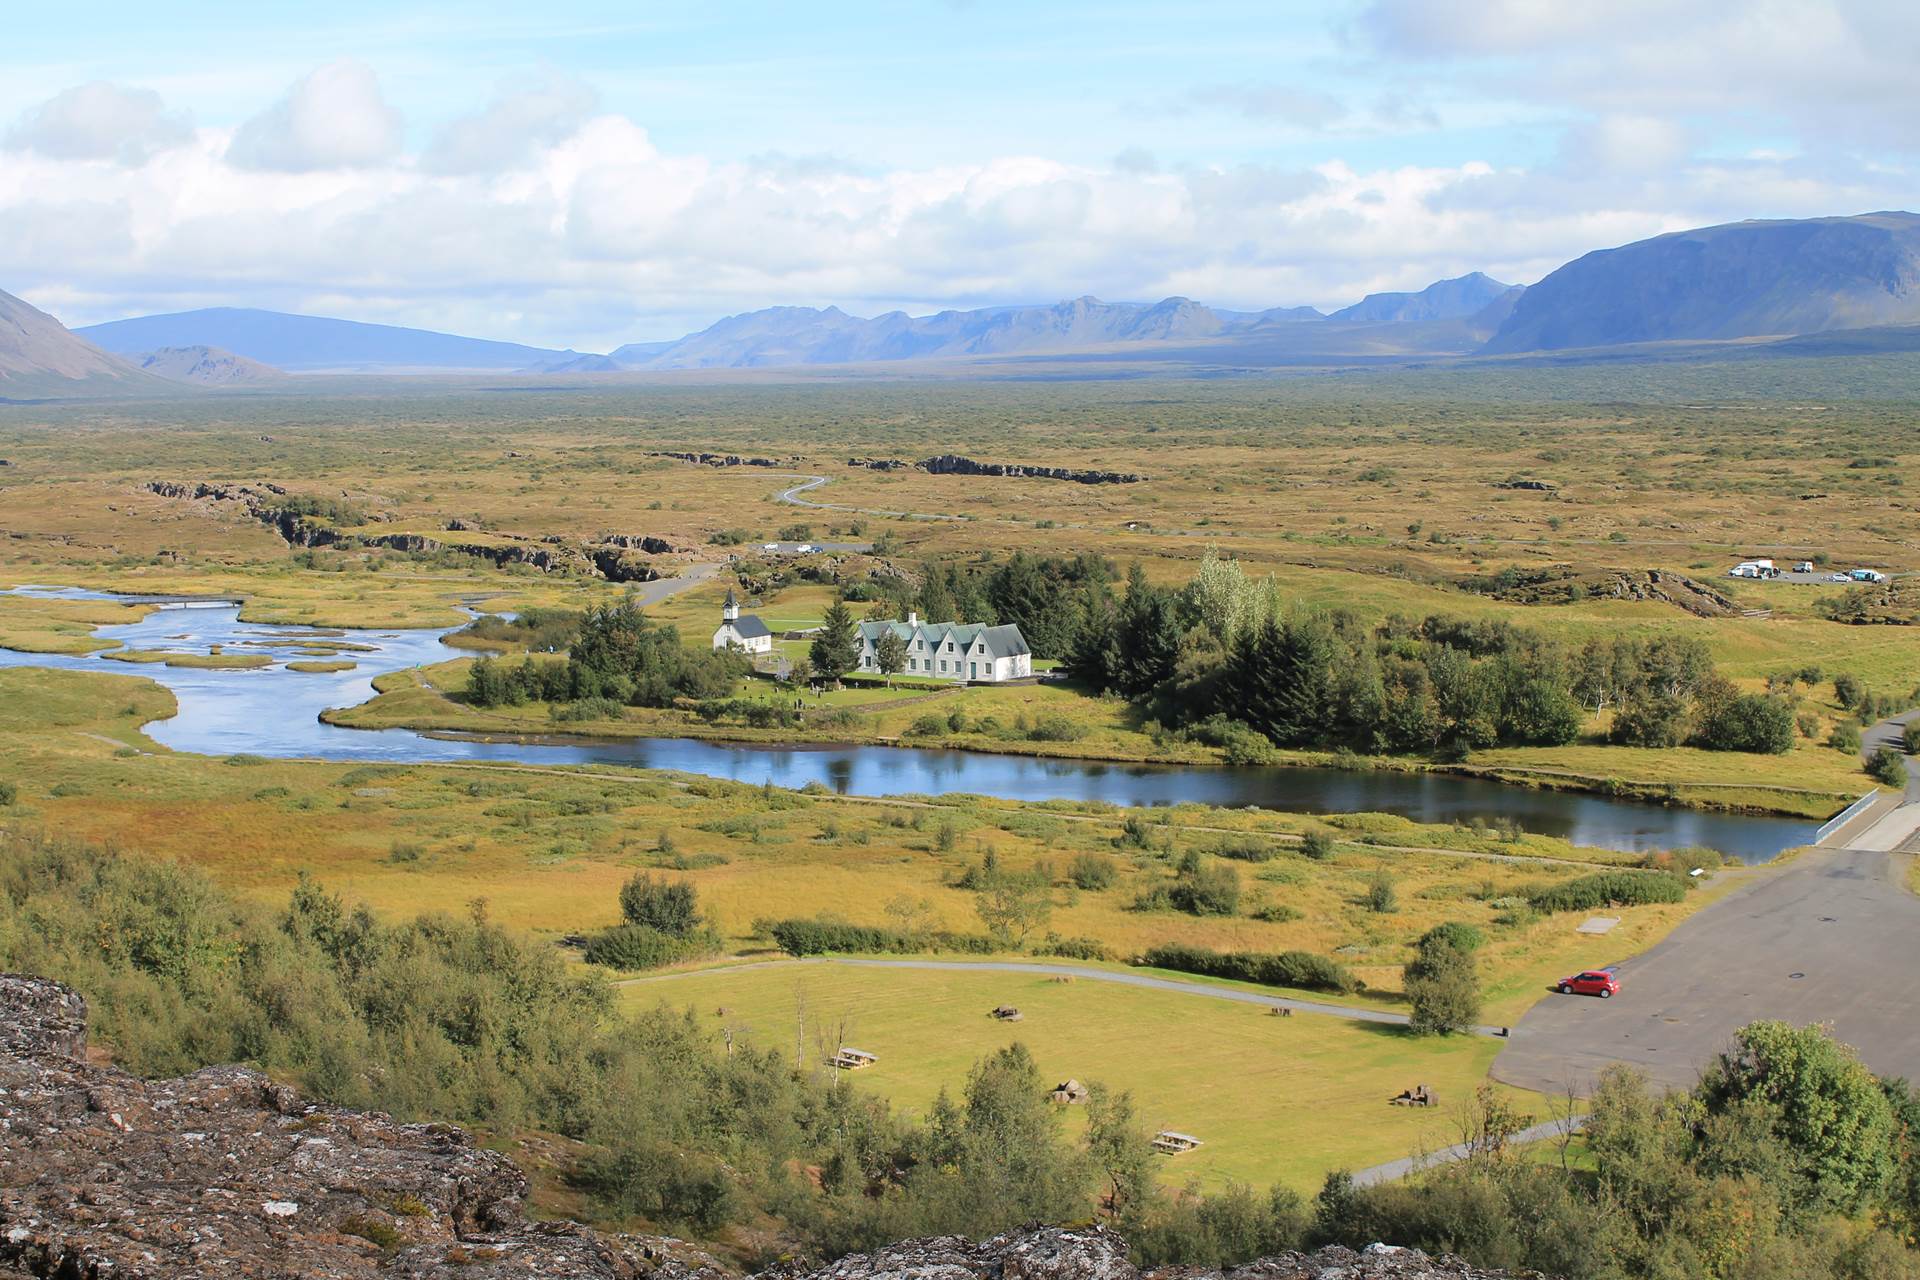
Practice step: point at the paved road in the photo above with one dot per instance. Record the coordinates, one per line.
(654, 592)
(1833, 936)
(791, 496)
(1080, 972)
(1394, 1170)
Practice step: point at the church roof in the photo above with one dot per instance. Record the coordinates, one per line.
(731, 603)
(748, 627)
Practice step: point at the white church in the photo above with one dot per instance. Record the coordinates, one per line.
(747, 633)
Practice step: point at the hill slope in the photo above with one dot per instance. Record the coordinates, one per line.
(314, 342)
(1739, 280)
(1454, 299)
(40, 358)
(209, 367)
(806, 335)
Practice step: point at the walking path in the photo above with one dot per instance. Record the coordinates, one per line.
(1080, 972)
(1394, 1170)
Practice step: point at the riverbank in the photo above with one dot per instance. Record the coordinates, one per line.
(426, 700)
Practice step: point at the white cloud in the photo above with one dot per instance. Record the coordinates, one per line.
(334, 118)
(512, 129)
(1832, 73)
(533, 220)
(100, 121)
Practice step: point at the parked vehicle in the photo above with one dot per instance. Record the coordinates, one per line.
(1591, 982)
(1838, 577)
(1805, 566)
(769, 546)
(804, 548)
(1867, 575)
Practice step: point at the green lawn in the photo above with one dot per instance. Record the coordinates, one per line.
(1275, 1099)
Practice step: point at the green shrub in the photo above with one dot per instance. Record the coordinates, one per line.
(1888, 766)
(1092, 872)
(1608, 889)
(1247, 849)
(927, 726)
(820, 937)
(1300, 969)
(8, 793)
(670, 906)
(1072, 948)
(1276, 913)
(1382, 897)
(1056, 728)
(1317, 844)
(639, 946)
(1845, 737)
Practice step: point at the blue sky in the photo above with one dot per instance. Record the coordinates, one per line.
(590, 173)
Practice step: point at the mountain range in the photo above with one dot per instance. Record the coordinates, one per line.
(1740, 280)
(1783, 282)
(315, 344)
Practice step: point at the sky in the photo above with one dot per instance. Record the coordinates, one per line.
(582, 173)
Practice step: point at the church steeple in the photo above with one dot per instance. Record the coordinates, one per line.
(730, 610)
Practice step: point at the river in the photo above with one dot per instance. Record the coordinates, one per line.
(272, 711)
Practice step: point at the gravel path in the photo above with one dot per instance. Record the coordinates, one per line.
(1078, 972)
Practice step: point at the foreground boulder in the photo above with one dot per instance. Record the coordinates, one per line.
(223, 1173)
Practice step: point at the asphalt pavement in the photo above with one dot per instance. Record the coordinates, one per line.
(1831, 937)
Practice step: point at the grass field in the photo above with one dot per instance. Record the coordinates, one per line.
(1275, 1099)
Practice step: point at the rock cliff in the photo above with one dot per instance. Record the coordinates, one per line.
(224, 1173)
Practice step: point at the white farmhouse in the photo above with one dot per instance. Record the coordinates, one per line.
(747, 633)
(966, 651)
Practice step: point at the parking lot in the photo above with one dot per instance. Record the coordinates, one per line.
(1831, 937)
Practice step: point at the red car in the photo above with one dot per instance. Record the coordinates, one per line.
(1592, 982)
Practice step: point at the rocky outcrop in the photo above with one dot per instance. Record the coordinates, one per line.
(949, 464)
(1565, 583)
(720, 459)
(639, 542)
(226, 1173)
(618, 565)
(1536, 486)
(1054, 1253)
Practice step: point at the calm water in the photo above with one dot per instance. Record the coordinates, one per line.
(275, 712)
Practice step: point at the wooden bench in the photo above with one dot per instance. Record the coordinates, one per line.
(854, 1059)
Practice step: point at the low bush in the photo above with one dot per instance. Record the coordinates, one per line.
(829, 937)
(1888, 766)
(1072, 948)
(1300, 969)
(1247, 849)
(1092, 872)
(1608, 889)
(639, 946)
(1317, 845)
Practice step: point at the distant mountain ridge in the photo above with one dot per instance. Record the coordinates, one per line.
(40, 358)
(314, 343)
(1454, 299)
(779, 336)
(1781, 281)
(209, 367)
(1738, 280)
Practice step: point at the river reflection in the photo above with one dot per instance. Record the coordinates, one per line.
(273, 711)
